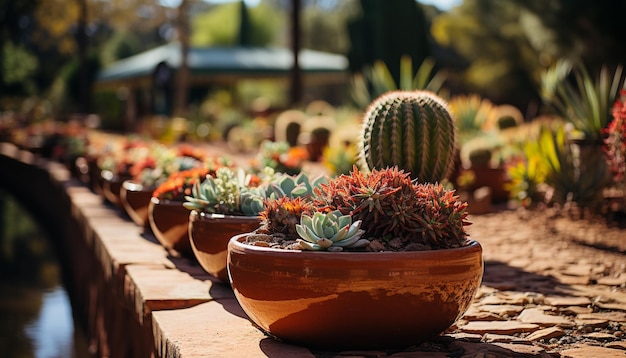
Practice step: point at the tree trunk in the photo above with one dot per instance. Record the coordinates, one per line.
(84, 105)
(296, 73)
(182, 74)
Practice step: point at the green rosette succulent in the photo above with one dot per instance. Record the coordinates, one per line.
(220, 193)
(293, 186)
(330, 231)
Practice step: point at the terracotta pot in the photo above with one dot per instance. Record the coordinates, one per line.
(111, 187)
(169, 221)
(354, 301)
(209, 235)
(495, 178)
(135, 199)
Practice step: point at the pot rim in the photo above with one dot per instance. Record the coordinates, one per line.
(132, 185)
(236, 244)
(155, 200)
(213, 216)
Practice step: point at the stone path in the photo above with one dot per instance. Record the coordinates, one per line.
(545, 292)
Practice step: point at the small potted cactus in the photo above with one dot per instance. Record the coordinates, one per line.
(228, 203)
(376, 259)
(151, 171)
(168, 218)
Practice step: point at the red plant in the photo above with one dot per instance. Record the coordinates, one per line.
(179, 184)
(281, 215)
(186, 150)
(392, 206)
(615, 142)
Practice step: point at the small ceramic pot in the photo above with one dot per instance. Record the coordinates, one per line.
(209, 235)
(135, 199)
(111, 187)
(169, 221)
(354, 300)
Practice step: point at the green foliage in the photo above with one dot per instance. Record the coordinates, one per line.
(528, 175)
(121, 45)
(18, 68)
(586, 102)
(376, 80)
(385, 31)
(497, 60)
(574, 172)
(233, 192)
(412, 130)
(324, 28)
(293, 186)
(330, 232)
(110, 109)
(220, 26)
(471, 113)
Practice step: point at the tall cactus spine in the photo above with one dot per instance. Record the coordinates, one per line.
(413, 130)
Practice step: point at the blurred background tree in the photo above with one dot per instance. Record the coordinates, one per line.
(494, 48)
(507, 44)
(388, 30)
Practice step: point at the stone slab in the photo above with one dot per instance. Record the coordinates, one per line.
(215, 329)
(152, 288)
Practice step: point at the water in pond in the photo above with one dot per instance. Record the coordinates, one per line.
(35, 311)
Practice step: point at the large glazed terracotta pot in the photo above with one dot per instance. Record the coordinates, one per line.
(350, 300)
(136, 200)
(169, 221)
(209, 235)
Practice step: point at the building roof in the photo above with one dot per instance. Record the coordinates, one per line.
(224, 61)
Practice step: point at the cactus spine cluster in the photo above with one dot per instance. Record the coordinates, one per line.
(413, 130)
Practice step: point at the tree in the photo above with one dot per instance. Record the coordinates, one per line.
(592, 33)
(388, 30)
(220, 26)
(501, 63)
(17, 63)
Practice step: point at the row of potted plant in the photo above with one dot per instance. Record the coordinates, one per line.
(376, 258)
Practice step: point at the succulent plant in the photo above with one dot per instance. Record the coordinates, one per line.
(398, 210)
(179, 184)
(615, 141)
(331, 232)
(219, 193)
(222, 193)
(280, 216)
(293, 186)
(281, 156)
(235, 192)
(413, 130)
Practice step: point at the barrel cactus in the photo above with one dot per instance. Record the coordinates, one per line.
(413, 130)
